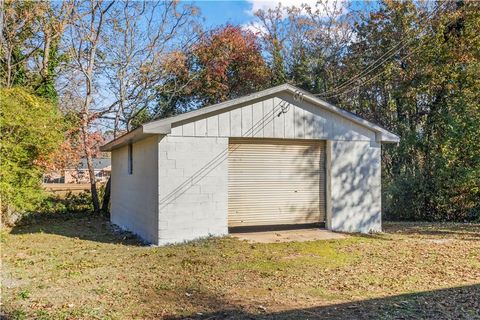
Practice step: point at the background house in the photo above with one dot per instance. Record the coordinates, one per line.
(79, 173)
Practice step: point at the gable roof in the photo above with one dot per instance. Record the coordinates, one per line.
(164, 126)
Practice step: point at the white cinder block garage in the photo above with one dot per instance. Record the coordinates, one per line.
(277, 157)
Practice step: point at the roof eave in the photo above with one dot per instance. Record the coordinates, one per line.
(386, 137)
(130, 137)
(161, 128)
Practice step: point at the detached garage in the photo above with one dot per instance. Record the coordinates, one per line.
(277, 157)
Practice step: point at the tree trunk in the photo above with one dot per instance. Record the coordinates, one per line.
(92, 38)
(91, 169)
(106, 197)
(9, 69)
(93, 184)
(46, 56)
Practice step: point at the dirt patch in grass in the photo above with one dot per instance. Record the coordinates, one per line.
(80, 269)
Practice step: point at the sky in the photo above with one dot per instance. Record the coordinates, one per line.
(216, 12)
(240, 12)
(221, 12)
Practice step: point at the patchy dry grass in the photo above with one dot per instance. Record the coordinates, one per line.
(80, 269)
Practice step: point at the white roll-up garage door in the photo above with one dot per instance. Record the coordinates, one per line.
(276, 182)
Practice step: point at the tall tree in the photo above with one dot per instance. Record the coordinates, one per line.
(329, 33)
(29, 43)
(137, 63)
(19, 39)
(304, 43)
(449, 150)
(54, 21)
(86, 37)
(229, 65)
(146, 34)
(225, 63)
(272, 28)
(391, 98)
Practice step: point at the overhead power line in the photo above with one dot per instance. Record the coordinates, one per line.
(383, 58)
(370, 79)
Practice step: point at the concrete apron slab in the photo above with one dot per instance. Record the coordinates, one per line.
(300, 235)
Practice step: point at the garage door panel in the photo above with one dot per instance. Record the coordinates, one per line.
(275, 181)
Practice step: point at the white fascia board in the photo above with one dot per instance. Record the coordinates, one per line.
(130, 137)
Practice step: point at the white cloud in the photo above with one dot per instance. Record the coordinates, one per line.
(255, 27)
(326, 5)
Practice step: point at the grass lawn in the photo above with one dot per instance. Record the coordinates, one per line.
(79, 269)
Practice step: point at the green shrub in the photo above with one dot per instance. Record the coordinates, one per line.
(30, 130)
(70, 203)
(57, 207)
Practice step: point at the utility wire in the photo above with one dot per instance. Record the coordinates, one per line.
(415, 50)
(382, 59)
(371, 79)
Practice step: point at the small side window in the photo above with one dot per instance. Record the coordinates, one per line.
(130, 158)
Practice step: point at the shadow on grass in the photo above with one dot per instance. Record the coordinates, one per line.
(465, 231)
(81, 225)
(452, 303)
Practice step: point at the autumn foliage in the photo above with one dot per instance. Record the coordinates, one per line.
(70, 152)
(229, 64)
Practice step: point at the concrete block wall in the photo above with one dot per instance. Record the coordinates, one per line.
(134, 197)
(354, 169)
(193, 188)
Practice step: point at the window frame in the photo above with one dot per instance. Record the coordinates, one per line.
(130, 158)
